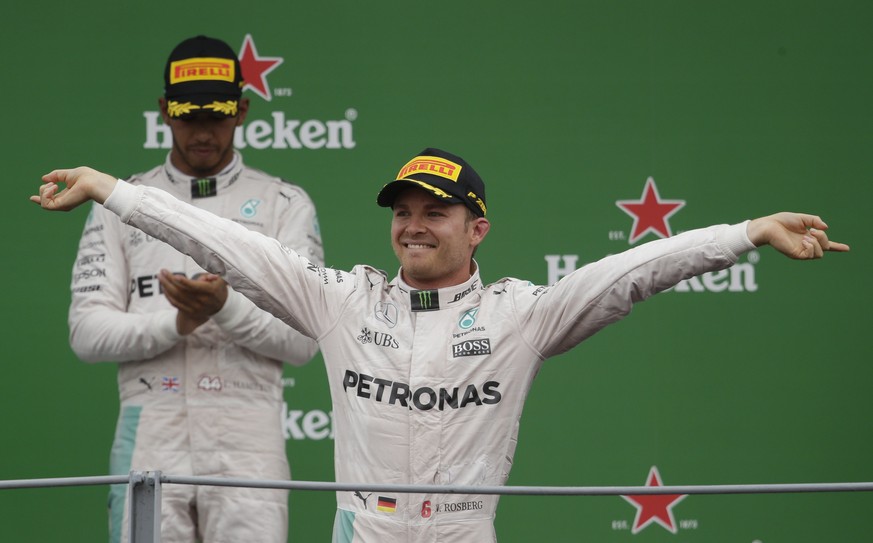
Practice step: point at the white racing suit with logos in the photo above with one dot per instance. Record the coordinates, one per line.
(427, 386)
(206, 404)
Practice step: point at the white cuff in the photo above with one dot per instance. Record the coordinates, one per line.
(124, 199)
(734, 240)
(233, 311)
(165, 331)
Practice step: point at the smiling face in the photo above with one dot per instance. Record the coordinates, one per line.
(434, 241)
(203, 143)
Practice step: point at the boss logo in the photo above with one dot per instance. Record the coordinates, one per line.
(472, 347)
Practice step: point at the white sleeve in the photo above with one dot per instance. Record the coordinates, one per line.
(555, 319)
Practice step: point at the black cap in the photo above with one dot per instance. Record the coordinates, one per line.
(446, 176)
(203, 74)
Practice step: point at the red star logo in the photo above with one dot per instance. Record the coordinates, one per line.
(650, 212)
(654, 507)
(255, 68)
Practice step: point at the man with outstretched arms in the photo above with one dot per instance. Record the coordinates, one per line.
(429, 371)
(200, 366)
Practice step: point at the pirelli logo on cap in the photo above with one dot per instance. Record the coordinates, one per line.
(431, 165)
(202, 69)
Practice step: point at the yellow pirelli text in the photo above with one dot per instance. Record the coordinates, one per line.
(472, 196)
(202, 69)
(431, 165)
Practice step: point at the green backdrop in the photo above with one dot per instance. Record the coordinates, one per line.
(737, 109)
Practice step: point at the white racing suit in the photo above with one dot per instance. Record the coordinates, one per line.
(206, 404)
(427, 386)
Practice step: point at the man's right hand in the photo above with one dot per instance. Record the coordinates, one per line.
(82, 184)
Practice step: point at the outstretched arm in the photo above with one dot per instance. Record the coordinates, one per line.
(796, 235)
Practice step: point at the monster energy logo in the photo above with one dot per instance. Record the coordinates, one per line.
(424, 300)
(200, 188)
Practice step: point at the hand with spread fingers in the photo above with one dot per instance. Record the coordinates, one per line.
(796, 235)
(197, 299)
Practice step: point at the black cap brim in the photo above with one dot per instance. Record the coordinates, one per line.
(391, 190)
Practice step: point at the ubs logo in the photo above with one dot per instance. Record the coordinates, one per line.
(377, 338)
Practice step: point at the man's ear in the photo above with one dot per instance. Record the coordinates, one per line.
(162, 104)
(480, 228)
(243, 111)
